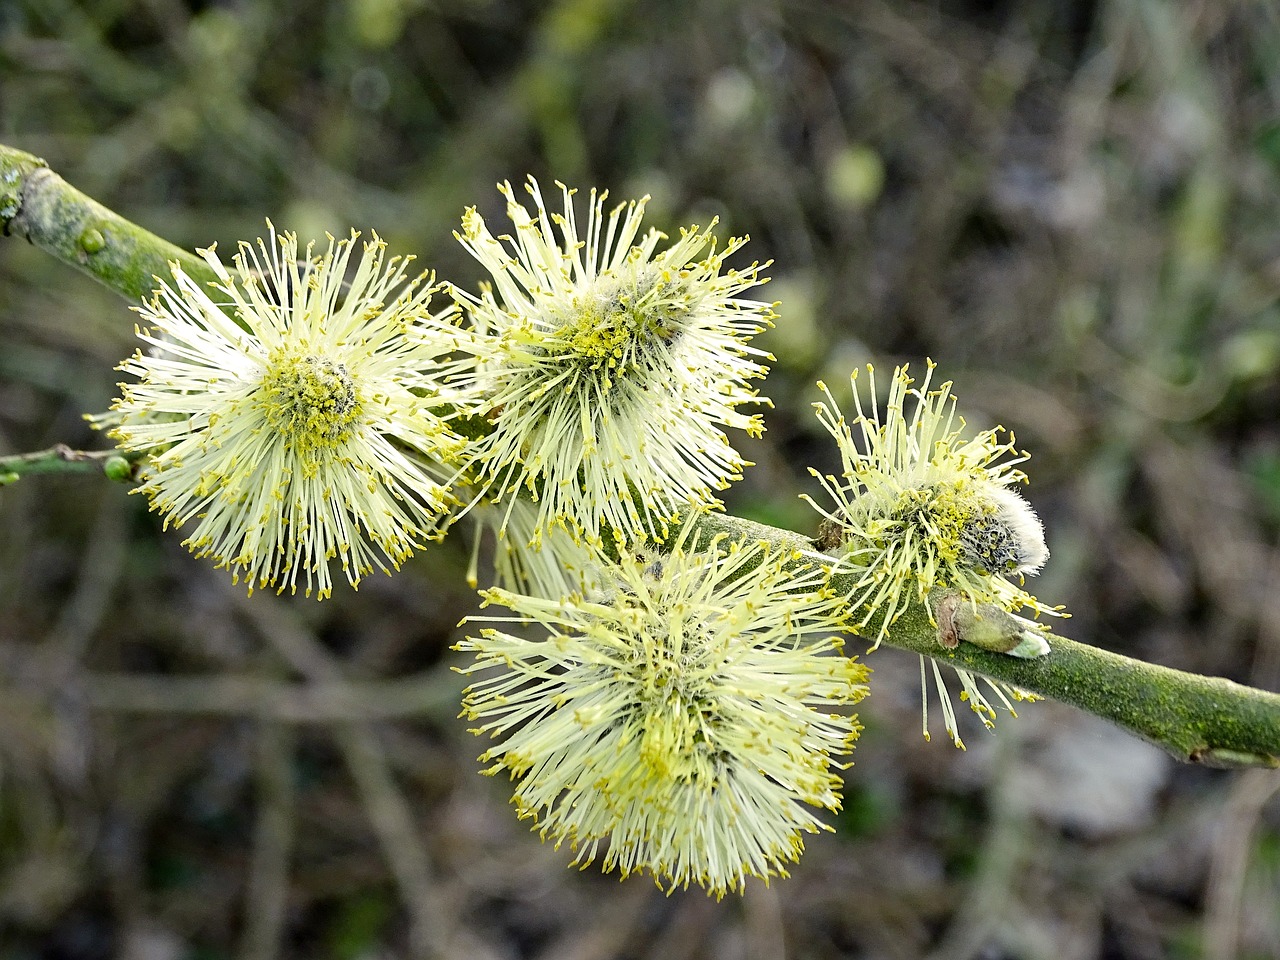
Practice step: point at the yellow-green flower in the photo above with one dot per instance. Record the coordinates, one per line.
(612, 365)
(924, 514)
(289, 409)
(524, 561)
(919, 507)
(684, 722)
(971, 693)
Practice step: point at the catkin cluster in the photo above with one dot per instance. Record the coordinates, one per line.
(664, 700)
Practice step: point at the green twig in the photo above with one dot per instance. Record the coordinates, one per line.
(115, 464)
(39, 205)
(1197, 719)
(1207, 720)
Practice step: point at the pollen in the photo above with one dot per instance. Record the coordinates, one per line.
(309, 399)
(612, 326)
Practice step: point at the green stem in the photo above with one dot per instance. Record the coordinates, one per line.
(1207, 720)
(62, 459)
(1197, 719)
(39, 205)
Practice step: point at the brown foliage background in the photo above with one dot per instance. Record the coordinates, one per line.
(1073, 207)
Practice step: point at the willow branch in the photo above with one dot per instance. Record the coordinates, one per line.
(63, 459)
(39, 205)
(1207, 720)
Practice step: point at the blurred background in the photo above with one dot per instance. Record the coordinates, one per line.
(1073, 207)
